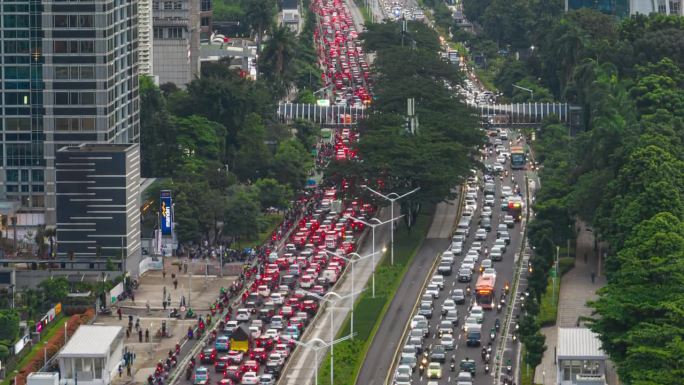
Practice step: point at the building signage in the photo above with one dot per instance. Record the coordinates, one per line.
(48, 317)
(19, 345)
(165, 213)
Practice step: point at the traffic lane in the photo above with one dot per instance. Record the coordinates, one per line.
(505, 269)
(379, 358)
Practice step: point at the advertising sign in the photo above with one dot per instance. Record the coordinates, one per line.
(165, 214)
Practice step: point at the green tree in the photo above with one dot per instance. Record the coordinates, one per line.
(259, 15)
(273, 194)
(277, 57)
(54, 290)
(242, 214)
(159, 156)
(253, 159)
(199, 138)
(292, 163)
(9, 325)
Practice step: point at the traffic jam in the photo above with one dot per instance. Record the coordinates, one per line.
(280, 295)
(454, 333)
(340, 54)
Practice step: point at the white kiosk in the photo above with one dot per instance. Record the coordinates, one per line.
(92, 356)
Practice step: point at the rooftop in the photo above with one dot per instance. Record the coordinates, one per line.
(579, 343)
(97, 147)
(290, 4)
(91, 341)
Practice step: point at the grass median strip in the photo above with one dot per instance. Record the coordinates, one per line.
(369, 311)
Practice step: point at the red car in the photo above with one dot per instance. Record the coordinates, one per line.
(233, 372)
(250, 366)
(309, 306)
(258, 354)
(225, 381)
(264, 342)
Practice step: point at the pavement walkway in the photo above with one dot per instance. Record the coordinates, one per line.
(577, 288)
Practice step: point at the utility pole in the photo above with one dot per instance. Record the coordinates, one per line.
(392, 197)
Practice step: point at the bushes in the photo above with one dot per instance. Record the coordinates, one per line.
(53, 344)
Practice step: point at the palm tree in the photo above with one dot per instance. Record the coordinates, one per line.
(278, 54)
(260, 15)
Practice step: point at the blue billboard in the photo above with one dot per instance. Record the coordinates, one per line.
(165, 214)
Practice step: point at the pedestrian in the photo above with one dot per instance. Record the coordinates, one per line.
(593, 277)
(164, 304)
(140, 335)
(173, 276)
(120, 370)
(163, 274)
(179, 267)
(118, 311)
(147, 335)
(175, 284)
(128, 370)
(128, 332)
(133, 298)
(185, 268)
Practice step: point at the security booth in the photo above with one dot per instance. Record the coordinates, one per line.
(240, 339)
(92, 356)
(581, 361)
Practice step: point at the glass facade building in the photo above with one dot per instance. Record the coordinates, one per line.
(69, 76)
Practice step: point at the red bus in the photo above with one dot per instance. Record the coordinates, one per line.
(485, 291)
(515, 208)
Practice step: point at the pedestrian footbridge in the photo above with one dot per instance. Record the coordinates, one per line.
(493, 115)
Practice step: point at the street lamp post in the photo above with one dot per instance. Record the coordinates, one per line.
(332, 323)
(373, 226)
(392, 197)
(352, 261)
(525, 89)
(323, 345)
(13, 287)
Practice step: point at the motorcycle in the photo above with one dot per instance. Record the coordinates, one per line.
(498, 308)
(487, 358)
(486, 368)
(452, 367)
(421, 369)
(492, 334)
(174, 313)
(190, 333)
(497, 324)
(468, 290)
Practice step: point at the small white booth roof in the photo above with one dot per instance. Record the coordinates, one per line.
(91, 341)
(579, 343)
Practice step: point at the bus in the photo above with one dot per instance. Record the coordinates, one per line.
(518, 158)
(485, 292)
(515, 209)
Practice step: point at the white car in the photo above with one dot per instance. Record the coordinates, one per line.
(449, 304)
(476, 246)
(255, 332)
(277, 298)
(478, 313)
(417, 319)
(498, 167)
(470, 322)
(489, 272)
(489, 200)
(250, 378)
(487, 211)
(501, 159)
(481, 234)
(272, 333)
(448, 341)
(433, 290)
(242, 315)
(438, 280)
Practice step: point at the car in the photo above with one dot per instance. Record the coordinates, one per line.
(486, 223)
(501, 244)
(207, 355)
(291, 332)
(474, 336)
(409, 359)
(489, 200)
(408, 348)
(425, 309)
(438, 354)
(457, 248)
(201, 376)
(242, 315)
(445, 327)
(432, 289)
(402, 379)
(464, 377)
(447, 340)
(235, 356)
(498, 167)
(258, 354)
(468, 365)
(468, 264)
(469, 323)
(277, 298)
(434, 370)
(485, 264)
(424, 326)
(508, 220)
(222, 363)
(275, 358)
(478, 313)
(255, 332)
(222, 344)
(448, 304)
(403, 369)
(267, 379)
(438, 280)
(250, 378)
(452, 316)
(496, 254)
(277, 322)
(416, 319)
(465, 274)
(444, 268)
(489, 272)
(458, 296)
(481, 234)
(505, 236)
(486, 212)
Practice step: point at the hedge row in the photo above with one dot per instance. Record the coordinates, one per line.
(54, 344)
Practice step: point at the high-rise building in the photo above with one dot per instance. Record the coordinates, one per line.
(176, 30)
(98, 202)
(70, 76)
(145, 56)
(206, 20)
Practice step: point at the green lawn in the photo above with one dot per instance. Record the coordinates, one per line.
(369, 311)
(52, 329)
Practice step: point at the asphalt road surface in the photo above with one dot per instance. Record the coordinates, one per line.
(381, 353)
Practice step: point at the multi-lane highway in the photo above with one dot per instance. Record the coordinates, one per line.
(503, 181)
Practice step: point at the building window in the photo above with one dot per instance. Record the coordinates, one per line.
(155, 5)
(175, 32)
(205, 5)
(16, 21)
(168, 5)
(87, 47)
(177, 5)
(12, 188)
(62, 72)
(85, 21)
(37, 176)
(88, 124)
(18, 124)
(12, 175)
(87, 72)
(205, 21)
(158, 33)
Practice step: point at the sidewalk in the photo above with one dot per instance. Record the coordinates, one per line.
(151, 287)
(576, 289)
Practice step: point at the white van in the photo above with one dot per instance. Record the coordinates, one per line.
(330, 275)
